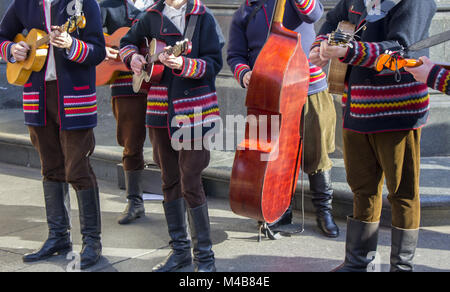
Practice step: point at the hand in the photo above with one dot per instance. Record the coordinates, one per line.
(137, 63)
(247, 78)
(59, 39)
(314, 57)
(171, 61)
(20, 51)
(422, 72)
(111, 54)
(328, 52)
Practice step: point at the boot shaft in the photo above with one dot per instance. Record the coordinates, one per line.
(57, 207)
(403, 249)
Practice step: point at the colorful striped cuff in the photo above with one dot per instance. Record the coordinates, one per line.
(319, 39)
(192, 68)
(305, 6)
(439, 79)
(363, 54)
(5, 49)
(127, 52)
(78, 52)
(239, 72)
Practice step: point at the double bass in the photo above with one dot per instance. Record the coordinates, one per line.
(265, 169)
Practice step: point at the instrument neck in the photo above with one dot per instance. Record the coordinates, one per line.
(155, 58)
(279, 12)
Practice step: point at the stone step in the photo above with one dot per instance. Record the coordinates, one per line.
(435, 171)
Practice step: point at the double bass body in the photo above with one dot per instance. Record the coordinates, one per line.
(266, 169)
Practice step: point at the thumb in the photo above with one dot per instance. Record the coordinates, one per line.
(425, 60)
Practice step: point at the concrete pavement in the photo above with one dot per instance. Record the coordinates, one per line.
(138, 247)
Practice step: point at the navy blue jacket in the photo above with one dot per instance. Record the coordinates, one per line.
(185, 99)
(75, 69)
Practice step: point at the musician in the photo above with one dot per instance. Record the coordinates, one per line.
(383, 118)
(248, 33)
(129, 108)
(185, 100)
(61, 112)
(433, 75)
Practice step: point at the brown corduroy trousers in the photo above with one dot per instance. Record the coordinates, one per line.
(64, 155)
(130, 114)
(369, 158)
(181, 171)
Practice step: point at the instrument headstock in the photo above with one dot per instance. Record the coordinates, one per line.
(73, 23)
(182, 48)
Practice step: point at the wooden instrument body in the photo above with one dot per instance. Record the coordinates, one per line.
(153, 71)
(108, 70)
(337, 70)
(18, 73)
(262, 189)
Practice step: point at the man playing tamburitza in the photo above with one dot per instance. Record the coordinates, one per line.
(129, 108)
(185, 101)
(383, 117)
(60, 112)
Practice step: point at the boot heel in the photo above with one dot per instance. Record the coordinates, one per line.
(64, 252)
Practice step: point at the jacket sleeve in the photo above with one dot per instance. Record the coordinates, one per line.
(209, 61)
(439, 79)
(237, 51)
(309, 11)
(408, 23)
(90, 47)
(337, 14)
(10, 26)
(129, 44)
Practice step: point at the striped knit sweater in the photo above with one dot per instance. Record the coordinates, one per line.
(439, 79)
(376, 102)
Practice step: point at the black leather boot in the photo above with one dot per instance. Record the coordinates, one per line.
(403, 249)
(360, 246)
(57, 206)
(180, 256)
(135, 208)
(90, 226)
(320, 186)
(201, 239)
(286, 219)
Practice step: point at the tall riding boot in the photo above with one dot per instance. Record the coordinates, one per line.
(320, 186)
(201, 239)
(180, 255)
(135, 208)
(57, 206)
(361, 244)
(403, 249)
(90, 226)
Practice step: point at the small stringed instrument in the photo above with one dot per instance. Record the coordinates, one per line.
(394, 62)
(108, 70)
(338, 70)
(18, 73)
(267, 165)
(153, 71)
